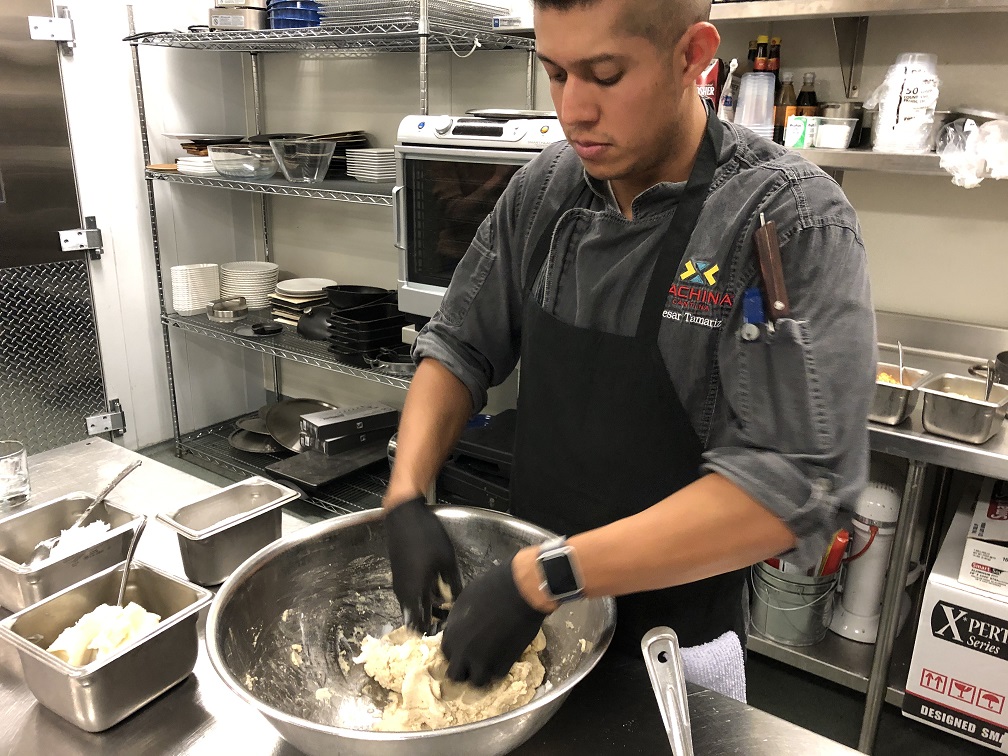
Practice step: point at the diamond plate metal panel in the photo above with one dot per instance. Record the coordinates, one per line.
(50, 368)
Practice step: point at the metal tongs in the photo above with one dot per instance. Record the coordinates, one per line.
(660, 647)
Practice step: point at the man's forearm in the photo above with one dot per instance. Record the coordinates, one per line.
(437, 407)
(709, 527)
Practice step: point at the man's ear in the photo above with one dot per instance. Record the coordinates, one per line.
(695, 50)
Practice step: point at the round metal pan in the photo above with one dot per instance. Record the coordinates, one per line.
(254, 443)
(283, 420)
(253, 425)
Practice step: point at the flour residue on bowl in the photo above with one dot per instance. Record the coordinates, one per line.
(412, 669)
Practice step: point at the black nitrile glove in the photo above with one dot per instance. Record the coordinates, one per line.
(488, 628)
(421, 553)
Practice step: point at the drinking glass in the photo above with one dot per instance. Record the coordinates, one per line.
(14, 485)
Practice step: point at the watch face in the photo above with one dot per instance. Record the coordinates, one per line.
(559, 575)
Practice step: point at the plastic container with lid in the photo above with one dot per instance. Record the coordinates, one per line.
(835, 133)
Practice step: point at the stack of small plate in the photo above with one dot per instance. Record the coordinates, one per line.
(371, 164)
(193, 286)
(195, 166)
(253, 280)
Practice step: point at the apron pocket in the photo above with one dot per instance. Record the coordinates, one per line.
(781, 403)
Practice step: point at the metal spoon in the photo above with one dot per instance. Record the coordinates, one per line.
(990, 380)
(42, 551)
(899, 347)
(129, 558)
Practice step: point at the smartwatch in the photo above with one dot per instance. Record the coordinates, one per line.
(562, 580)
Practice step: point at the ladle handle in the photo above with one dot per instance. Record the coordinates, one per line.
(129, 558)
(665, 668)
(106, 491)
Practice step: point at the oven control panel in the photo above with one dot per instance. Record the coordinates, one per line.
(470, 131)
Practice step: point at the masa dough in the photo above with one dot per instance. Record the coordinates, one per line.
(412, 668)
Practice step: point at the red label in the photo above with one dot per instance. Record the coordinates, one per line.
(997, 511)
(933, 680)
(962, 691)
(990, 701)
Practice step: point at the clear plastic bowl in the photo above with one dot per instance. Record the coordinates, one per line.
(835, 133)
(243, 161)
(303, 161)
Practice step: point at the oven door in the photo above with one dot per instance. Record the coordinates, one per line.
(442, 195)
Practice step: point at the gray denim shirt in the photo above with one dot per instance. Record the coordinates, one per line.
(783, 417)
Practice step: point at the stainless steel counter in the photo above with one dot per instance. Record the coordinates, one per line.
(612, 711)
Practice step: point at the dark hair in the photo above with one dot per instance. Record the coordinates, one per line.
(662, 22)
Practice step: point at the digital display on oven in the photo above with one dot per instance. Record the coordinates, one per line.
(447, 202)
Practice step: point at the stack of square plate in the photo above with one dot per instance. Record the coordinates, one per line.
(195, 166)
(372, 164)
(253, 280)
(193, 286)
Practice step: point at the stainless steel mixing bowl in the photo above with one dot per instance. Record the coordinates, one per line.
(288, 622)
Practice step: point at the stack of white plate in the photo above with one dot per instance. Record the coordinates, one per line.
(304, 287)
(193, 286)
(253, 280)
(371, 164)
(195, 166)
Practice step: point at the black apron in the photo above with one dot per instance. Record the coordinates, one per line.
(601, 433)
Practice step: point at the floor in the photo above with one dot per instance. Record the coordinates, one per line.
(813, 703)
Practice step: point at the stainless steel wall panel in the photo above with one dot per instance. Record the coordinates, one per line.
(50, 369)
(39, 194)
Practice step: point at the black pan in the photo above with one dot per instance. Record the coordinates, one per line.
(350, 295)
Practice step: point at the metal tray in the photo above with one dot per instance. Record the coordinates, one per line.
(967, 417)
(219, 532)
(100, 694)
(892, 402)
(22, 585)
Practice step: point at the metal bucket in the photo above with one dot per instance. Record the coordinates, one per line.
(792, 609)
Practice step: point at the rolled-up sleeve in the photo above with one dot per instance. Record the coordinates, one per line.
(795, 433)
(476, 333)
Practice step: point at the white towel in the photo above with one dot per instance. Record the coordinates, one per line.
(718, 666)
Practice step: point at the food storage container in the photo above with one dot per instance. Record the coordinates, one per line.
(835, 133)
(954, 406)
(219, 532)
(22, 584)
(100, 694)
(893, 402)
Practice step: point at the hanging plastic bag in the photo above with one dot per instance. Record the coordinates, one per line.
(971, 153)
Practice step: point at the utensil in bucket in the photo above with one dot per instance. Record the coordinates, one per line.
(795, 610)
(660, 647)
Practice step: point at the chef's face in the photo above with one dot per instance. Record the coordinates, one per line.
(621, 100)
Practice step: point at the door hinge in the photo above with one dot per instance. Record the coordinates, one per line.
(58, 28)
(87, 239)
(113, 421)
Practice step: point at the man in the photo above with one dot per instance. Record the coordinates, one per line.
(672, 438)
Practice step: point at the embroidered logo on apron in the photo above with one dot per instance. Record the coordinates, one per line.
(695, 296)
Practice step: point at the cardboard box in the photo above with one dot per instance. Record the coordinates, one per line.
(958, 680)
(985, 560)
(346, 420)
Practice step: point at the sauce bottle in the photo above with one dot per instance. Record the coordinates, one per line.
(808, 103)
(773, 63)
(785, 105)
(762, 62)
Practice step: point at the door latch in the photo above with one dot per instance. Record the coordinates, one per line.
(58, 28)
(113, 421)
(87, 239)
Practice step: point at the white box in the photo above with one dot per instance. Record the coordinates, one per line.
(958, 680)
(985, 560)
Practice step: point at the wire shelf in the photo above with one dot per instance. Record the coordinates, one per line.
(288, 345)
(354, 493)
(373, 37)
(340, 190)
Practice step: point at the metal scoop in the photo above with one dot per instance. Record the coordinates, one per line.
(665, 668)
(990, 379)
(42, 551)
(129, 558)
(899, 346)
